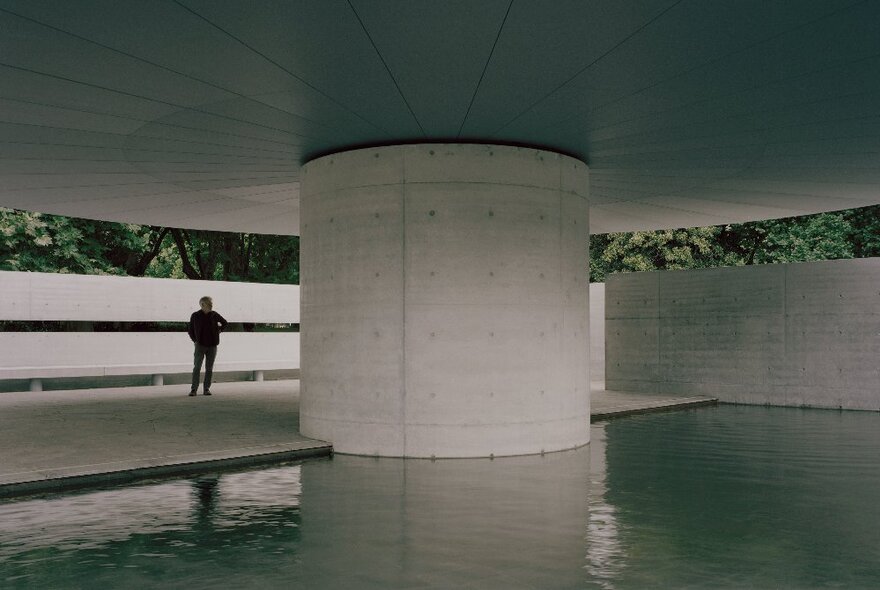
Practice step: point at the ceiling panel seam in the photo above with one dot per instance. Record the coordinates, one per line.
(387, 69)
(144, 121)
(591, 64)
(131, 136)
(132, 149)
(171, 70)
(567, 121)
(141, 97)
(278, 65)
(834, 67)
(485, 67)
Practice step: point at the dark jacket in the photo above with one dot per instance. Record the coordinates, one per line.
(205, 328)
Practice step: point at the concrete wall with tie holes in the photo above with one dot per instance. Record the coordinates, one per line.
(445, 301)
(787, 334)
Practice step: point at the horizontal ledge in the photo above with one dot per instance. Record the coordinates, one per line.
(25, 484)
(653, 406)
(120, 370)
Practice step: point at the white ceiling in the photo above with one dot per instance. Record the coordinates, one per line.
(199, 113)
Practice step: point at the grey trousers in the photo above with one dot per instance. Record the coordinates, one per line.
(208, 353)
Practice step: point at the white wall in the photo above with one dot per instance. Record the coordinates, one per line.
(38, 296)
(119, 353)
(60, 297)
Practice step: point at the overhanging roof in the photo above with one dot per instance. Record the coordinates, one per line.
(199, 113)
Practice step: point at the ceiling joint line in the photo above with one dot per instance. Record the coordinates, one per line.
(132, 149)
(832, 67)
(387, 69)
(740, 133)
(288, 179)
(836, 12)
(117, 161)
(171, 70)
(125, 136)
(132, 95)
(786, 108)
(591, 64)
(278, 65)
(149, 122)
(483, 73)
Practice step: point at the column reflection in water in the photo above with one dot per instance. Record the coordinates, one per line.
(516, 522)
(349, 522)
(605, 554)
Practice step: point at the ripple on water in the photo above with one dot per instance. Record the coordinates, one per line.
(726, 497)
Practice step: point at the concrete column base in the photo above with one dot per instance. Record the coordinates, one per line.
(158, 380)
(257, 375)
(445, 301)
(36, 385)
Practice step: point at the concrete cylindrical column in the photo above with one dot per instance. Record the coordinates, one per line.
(445, 301)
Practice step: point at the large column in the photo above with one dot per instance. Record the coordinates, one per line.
(445, 301)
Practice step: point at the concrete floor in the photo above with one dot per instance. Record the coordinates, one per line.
(62, 439)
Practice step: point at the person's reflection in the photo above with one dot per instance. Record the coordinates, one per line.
(205, 492)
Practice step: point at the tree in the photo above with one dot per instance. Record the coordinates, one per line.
(823, 236)
(55, 243)
(695, 247)
(237, 257)
(865, 231)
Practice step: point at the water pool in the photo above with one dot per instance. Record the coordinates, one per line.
(726, 497)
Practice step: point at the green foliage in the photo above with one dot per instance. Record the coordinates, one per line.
(53, 243)
(50, 243)
(695, 247)
(865, 231)
(824, 236)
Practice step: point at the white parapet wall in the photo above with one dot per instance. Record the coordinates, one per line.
(787, 334)
(39, 296)
(85, 354)
(88, 298)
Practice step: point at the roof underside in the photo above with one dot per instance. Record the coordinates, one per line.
(199, 113)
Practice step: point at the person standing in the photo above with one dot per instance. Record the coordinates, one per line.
(205, 326)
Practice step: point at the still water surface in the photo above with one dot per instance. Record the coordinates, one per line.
(727, 497)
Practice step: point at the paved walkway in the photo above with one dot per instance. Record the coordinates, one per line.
(605, 405)
(63, 439)
(87, 437)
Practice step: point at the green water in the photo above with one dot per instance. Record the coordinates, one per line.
(727, 497)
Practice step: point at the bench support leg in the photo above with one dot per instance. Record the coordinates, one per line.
(158, 380)
(258, 375)
(36, 385)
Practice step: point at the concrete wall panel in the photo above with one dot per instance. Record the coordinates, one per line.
(597, 332)
(517, 236)
(487, 164)
(797, 334)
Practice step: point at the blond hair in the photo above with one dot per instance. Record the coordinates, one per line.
(208, 299)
